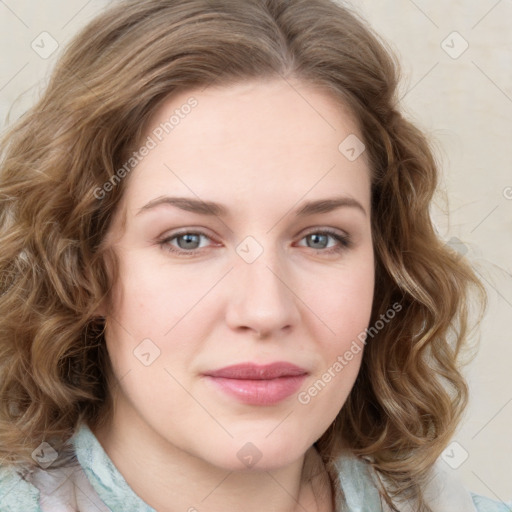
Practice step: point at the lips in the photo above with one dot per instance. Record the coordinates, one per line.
(256, 372)
(258, 384)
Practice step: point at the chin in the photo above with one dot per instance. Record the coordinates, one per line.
(260, 454)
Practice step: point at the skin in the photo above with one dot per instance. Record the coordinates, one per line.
(261, 149)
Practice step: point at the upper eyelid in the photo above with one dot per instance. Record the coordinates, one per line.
(325, 229)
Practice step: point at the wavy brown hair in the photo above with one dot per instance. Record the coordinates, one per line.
(55, 270)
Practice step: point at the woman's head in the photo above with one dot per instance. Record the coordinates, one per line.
(200, 289)
(161, 98)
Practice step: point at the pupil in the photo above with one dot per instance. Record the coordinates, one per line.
(189, 239)
(316, 236)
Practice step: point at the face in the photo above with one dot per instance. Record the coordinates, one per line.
(229, 319)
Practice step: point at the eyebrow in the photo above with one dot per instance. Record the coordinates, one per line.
(215, 209)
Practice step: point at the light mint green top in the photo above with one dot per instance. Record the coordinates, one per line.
(91, 483)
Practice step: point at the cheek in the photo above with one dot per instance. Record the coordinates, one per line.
(345, 307)
(344, 303)
(155, 312)
(154, 297)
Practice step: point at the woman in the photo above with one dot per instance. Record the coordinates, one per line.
(221, 286)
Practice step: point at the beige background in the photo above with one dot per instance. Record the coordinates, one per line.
(462, 99)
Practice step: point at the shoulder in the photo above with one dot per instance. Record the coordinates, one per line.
(65, 488)
(16, 493)
(443, 492)
(447, 492)
(483, 504)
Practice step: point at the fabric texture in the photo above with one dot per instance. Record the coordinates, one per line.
(90, 482)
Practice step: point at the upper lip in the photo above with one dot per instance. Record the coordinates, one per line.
(251, 371)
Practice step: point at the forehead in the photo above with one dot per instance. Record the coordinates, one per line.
(255, 143)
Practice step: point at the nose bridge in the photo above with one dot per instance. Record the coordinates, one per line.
(262, 299)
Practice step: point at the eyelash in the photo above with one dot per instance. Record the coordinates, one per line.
(344, 242)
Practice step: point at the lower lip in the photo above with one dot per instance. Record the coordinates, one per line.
(259, 392)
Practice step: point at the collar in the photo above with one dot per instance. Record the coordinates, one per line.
(105, 478)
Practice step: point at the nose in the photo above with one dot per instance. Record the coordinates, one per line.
(262, 298)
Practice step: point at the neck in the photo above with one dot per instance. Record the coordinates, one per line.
(176, 480)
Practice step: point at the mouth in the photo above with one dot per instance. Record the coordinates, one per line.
(258, 385)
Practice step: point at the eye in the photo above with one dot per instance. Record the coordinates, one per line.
(187, 242)
(320, 239)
